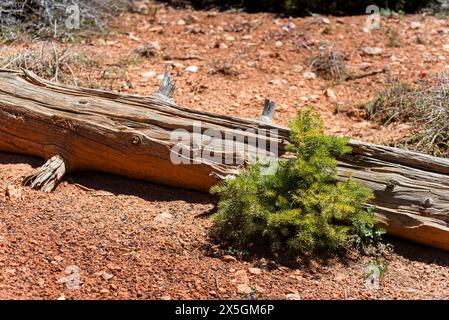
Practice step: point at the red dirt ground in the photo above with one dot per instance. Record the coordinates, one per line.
(138, 240)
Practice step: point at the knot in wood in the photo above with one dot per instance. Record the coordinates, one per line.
(83, 101)
(391, 184)
(427, 203)
(136, 140)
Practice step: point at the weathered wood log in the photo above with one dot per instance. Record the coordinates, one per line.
(84, 129)
(411, 190)
(121, 134)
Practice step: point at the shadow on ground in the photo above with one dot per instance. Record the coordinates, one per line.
(154, 192)
(9, 158)
(116, 185)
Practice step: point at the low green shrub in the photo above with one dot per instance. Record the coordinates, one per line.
(301, 207)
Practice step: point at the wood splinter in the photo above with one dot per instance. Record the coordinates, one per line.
(167, 86)
(47, 177)
(268, 111)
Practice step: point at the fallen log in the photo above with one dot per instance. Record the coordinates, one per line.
(151, 138)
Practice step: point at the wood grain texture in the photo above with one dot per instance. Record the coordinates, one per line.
(131, 136)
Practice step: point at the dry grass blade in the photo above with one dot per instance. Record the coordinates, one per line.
(46, 18)
(426, 104)
(48, 61)
(329, 65)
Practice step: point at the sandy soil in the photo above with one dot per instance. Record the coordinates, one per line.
(105, 237)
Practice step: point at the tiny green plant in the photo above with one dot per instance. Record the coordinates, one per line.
(364, 231)
(373, 271)
(387, 12)
(302, 206)
(253, 294)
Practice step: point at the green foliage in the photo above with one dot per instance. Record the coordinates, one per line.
(335, 7)
(364, 231)
(375, 267)
(301, 207)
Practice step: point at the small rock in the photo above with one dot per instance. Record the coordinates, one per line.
(192, 69)
(107, 276)
(149, 74)
(104, 291)
(251, 64)
(278, 44)
(62, 280)
(189, 19)
(114, 267)
(213, 293)
(241, 277)
(309, 75)
(13, 192)
(223, 45)
(62, 297)
(228, 258)
(325, 21)
(243, 289)
(198, 285)
(372, 51)
(255, 271)
(446, 47)
(339, 277)
(331, 95)
(297, 68)
(415, 25)
(229, 38)
(158, 29)
(178, 65)
(289, 27)
(181, 22)
(275, 82)
(164, 218)
(148, 50)
(166, 298)
(293, 296)
(58, 258)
